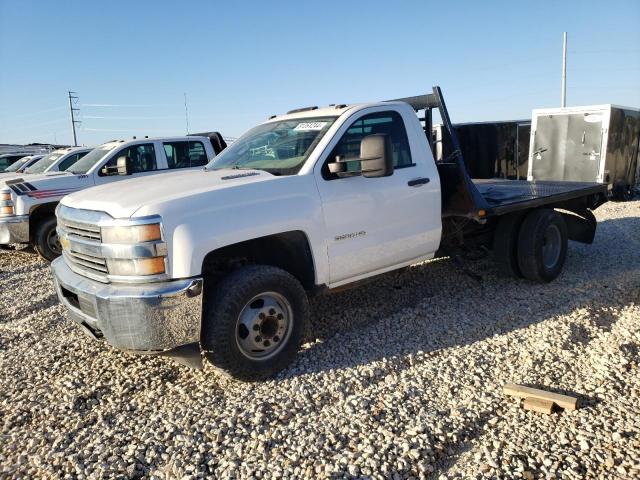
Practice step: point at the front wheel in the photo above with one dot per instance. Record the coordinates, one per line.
(45, 239)
(253, 322)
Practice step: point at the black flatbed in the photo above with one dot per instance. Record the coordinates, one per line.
(481, 199)
(505, 196)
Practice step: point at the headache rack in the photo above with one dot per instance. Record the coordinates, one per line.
(460, 197)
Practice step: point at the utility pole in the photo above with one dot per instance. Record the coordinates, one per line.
(186, 112)
(563, 97)
(72, 97)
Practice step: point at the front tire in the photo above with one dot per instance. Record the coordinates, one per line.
(45, 239)
(542, 245)
(253, 322)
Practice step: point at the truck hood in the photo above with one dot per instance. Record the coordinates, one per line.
(34, 178)
(123, 198)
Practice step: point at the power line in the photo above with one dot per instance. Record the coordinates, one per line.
(101, 117)
(123, 105)
(38, 113)
(39, 124)
(123, 130)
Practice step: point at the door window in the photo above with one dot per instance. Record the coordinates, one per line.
(185, 154)
(70, 160)
(143, 159)
(389, 123)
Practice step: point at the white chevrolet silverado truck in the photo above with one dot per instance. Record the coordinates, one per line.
(221, 262)
(27, 204)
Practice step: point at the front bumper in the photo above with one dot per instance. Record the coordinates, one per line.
(14, 229)
(146, 318)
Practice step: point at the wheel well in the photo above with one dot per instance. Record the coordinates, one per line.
(40, 212)
(289, 251)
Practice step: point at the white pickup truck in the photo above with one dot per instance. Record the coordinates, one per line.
(27, 204)
(221, 262)
(56, 161)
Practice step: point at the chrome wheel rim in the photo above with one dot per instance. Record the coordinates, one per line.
(264, 326)
(53, 242)
(551, 246)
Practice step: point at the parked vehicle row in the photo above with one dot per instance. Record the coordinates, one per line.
(28, 202)
(20, 165)
(7, 161)
(220, 262)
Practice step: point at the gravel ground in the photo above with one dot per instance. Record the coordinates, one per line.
(403, 380)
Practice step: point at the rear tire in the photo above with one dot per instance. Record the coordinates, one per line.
(542, 245)
(622, 193)
(505, 245)
(45, 239)
(253, 322)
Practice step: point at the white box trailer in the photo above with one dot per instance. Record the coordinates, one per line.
(598, 143)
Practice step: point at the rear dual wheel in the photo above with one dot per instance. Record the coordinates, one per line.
(532, 246)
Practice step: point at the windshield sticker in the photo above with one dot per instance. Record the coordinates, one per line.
(305, 126)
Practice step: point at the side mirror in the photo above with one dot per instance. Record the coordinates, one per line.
(124, 165)
(376, 159)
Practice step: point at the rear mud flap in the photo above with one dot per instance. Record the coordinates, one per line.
(581, 225)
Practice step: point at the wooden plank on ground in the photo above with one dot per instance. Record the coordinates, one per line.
(564, 401)
(538, 405)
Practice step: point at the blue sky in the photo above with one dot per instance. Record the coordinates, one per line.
(239, 62)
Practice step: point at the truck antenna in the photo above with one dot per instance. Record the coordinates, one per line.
(186, 112)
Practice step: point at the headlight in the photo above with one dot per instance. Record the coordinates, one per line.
(131, 234)
(6, 204)
(148, 234)
(136, 266)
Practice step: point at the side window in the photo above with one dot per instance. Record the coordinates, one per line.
(143, 158)
(185, 154)
(70, 160)
(389, 123)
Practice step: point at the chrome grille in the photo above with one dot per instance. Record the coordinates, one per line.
(82, 230)
(89, 261)
(82, 248)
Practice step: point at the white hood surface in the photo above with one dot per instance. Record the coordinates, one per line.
(122, 199)
(29, 177)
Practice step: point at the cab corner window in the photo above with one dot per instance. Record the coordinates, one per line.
(143, 159)
(185, 154)
(348, 147)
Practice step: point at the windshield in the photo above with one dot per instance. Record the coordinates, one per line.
(83, 165)
(16, 165)
(45, 162)
(280, 148)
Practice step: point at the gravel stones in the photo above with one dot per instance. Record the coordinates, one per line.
(401, 378)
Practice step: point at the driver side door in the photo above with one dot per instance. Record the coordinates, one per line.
(373, 224)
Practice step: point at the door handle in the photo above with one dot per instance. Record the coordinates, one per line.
(418, 182)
